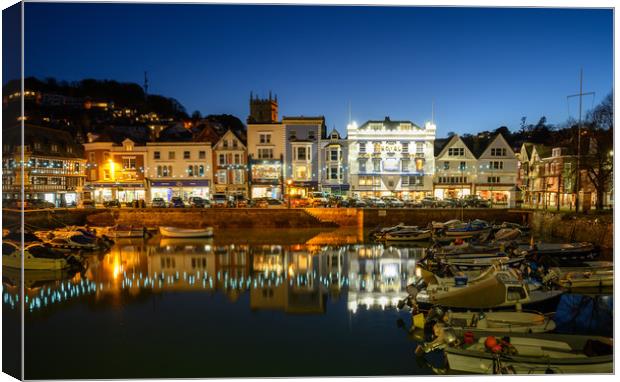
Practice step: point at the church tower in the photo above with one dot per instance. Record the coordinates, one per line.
(263, 110)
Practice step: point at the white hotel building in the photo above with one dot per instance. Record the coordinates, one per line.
(391, 158)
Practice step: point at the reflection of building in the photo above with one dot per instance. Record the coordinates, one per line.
(378, 276)
(334, 171)
(180, 169)
(266, 149)
(391, 158)
(302, 160)
(115, 170)
(287, 281)
(230, 168)
(54, 169)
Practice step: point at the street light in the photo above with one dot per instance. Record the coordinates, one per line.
(289, 182)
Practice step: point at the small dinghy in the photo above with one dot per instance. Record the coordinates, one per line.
(408, 235)
(126, 231)
(36, 257)
(185, 232)
(76, 241)
(508, 322)
(481, 261)
(535, 353)
(380, 233)
(574, 278)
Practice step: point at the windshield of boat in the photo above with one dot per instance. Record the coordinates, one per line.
(8, 249)
(43, 252)
(81, 239)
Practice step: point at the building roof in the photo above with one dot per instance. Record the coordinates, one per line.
(117, 134)
(440, 144)
(40, 140)
(387, 122)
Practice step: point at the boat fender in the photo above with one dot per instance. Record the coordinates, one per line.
(490, 342)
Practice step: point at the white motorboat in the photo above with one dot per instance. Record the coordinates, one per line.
(493, 289)
(536, 353)
(578, 277)
(399, 227)
(508, 322)
(408, 235)
(186, 232)
(506, 234)
(76, 241)
(36, 256)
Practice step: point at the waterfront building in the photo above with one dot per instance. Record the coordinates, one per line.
(179, 169)
(230, 165)
(302, 160)
(455, 171)
(391, 158)
(53, 170)
(496, 176)
(335, 170)
(266, 149)
(116, 169)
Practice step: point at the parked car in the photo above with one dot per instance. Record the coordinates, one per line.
(433, 202)
(177, 202)
(158, 203)
(413, 203)
(337, 201)
(196, 202)
(298, 201)
(373, 201)
(318, 199)
(475, 201)
(220, 200)
(393, 202)
(87, 203)
(356, 203)
(238, 201)
(111, 203)
(454, 202)
(268, 203)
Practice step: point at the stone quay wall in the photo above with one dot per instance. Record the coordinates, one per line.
(592, 228)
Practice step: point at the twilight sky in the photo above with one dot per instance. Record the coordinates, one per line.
(483, 67)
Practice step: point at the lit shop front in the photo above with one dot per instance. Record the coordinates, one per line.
(500, 196)
(302, 188)
(452, 191)
(124, 192)
(266, 179)
(184, 189)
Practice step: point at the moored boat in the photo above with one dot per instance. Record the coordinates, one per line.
(186, 232)
(126, 231)
(36, 257)
(408, 235)
(537, 353)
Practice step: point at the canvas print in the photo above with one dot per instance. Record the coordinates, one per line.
(222, 190)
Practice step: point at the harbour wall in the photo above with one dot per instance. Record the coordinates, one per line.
(598, 229)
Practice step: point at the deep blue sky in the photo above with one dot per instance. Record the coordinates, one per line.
(483, 67)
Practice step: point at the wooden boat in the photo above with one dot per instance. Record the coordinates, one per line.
(186, 232)
(507, 322)
(408, 235)
(481, 261)
(36, 257)
(499, 288)
(447, 224)
(536, 353)
(465, 230)
(125, 231)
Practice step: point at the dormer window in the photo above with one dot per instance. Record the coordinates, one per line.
(556, 152)
(54, 148)
(37, 145)
(127, 145)
(69, 149)
(334, 135)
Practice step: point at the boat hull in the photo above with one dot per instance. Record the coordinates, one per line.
(185, 233)
(34, 264)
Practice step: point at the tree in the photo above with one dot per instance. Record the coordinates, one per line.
(196, 116)
(598, 162)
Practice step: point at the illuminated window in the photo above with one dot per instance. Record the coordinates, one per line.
(222, 159)
(129, 163)
(265, 153)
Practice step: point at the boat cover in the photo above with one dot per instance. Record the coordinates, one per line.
(578, 313)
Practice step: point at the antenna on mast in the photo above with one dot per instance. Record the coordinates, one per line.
(349, 112)
(433, 112)
(146, 84)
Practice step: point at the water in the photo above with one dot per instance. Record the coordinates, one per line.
(262, 303)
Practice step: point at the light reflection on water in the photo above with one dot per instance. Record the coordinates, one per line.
(329, 290)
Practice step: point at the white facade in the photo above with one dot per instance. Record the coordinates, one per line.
(183, 169)
(497, 173)
(391, 158)
(455, 171)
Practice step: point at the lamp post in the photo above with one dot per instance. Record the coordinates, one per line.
(289, 182)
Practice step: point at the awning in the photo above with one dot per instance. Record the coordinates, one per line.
(115, 185)
(181, 183)
(338, 187)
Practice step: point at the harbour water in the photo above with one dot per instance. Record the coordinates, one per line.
(265, 303)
